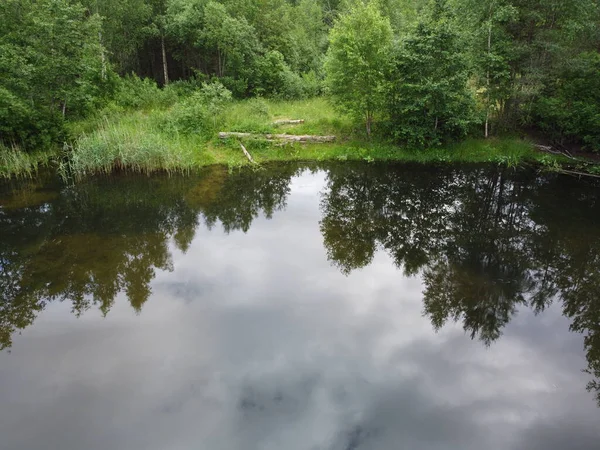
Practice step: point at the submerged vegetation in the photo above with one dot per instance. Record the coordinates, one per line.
(146, 85)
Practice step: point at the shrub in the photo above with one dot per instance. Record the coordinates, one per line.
(258, 107)
(429, 101)
(215, 96)
(185, 88)
(312, 84)
(189, 116)
(136, 93)
(198, 114)
(570, 108)
(237, 86)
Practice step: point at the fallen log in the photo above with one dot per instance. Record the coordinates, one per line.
(278, 137)
(300, 138)
(548, 149)
(288, 122)
(248, 155)
(577, 173)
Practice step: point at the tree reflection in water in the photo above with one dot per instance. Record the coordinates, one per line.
(485, 239)
(87, 243)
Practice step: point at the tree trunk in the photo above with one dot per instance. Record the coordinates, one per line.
(247, 153)
(488, 81)
(221, 63)
(288, 122)
(102, 56)
(278, 137)
(369, 122)
(164, 59)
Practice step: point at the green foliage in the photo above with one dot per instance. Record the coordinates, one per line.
(429, 101)
(417, 69)
(258, 107)
(517, 46)
(136, 93)
(189, 116)
(215, 96)
(126, 25)
(51, 69)
(357, 60)
(199, 113)
(277, 79)
(126, 146)
(185, 88)
(570, 107)
(16, 163)
(233, 40)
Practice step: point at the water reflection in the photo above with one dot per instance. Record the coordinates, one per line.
(485, 240)
(95, 240)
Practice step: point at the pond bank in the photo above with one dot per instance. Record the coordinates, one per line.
(510, 152)
(169, 139)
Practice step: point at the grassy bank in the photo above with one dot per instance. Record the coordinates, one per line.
(179, 138)
(14, 162)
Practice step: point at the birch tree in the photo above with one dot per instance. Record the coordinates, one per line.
(356, 62)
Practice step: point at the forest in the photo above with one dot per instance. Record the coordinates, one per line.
(99, 85)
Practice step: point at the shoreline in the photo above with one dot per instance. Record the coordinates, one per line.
(509, 152)
(172, 139)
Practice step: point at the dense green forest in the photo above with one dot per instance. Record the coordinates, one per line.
(415, 73)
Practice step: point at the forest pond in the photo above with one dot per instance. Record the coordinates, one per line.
(302, 307)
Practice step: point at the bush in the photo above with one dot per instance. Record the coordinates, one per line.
(237, 86)
(312, 84)
(259, 107)
(215, 96)
(24, 125)
(276, 79)
(189, 116)
(570, 108)
(429, 101)
(198, 114)
(136, 93)
(293, 86)
(185, 88)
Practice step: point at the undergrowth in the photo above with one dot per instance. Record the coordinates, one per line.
(17, 163)
(182, 134)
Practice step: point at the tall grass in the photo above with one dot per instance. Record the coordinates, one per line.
(17, 163)
(179, 138)
(127, 144)
(258, 116)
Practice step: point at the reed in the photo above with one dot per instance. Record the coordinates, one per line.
(19, 164)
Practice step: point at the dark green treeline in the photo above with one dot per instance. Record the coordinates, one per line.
(420, 72)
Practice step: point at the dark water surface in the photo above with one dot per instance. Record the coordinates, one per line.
(339, 308)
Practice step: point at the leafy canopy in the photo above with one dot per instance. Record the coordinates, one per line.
(357, 61)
